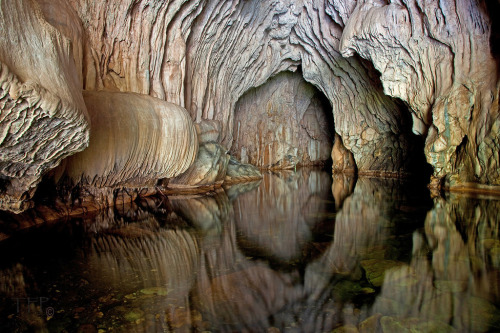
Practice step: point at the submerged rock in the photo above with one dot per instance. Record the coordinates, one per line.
(375, 269)
(241, 172)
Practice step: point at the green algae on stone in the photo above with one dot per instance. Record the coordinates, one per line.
(453, 286)
(479, 314)
(370, 324)
(160, 291)
(413, 325)
(346, 329)
(375, 269)
(134, 315)
(347, 289)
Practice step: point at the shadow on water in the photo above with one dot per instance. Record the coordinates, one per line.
(298, 251)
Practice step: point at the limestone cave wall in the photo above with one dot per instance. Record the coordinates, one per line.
(204, 55)
(438, 57)
(386, 68)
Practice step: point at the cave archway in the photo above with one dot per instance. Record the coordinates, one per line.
(283, 123)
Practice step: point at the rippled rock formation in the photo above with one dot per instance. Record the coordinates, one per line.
(385, 67)
(43, 117)
(136, 140)
(205, 55)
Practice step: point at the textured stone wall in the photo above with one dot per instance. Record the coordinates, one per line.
(136, 140)
(386, 67)
(205, 55)
(43, 117)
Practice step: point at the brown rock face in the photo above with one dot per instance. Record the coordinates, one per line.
(282, 123)
(42, 114)
(206, 55)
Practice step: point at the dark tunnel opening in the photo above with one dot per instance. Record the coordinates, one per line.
(284, 123)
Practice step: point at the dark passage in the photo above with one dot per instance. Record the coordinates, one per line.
(284, 123)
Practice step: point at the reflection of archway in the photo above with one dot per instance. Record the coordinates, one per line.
(283, 123)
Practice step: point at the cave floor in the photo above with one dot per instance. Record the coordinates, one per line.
(298, 251)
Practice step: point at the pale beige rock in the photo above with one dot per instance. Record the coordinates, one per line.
(43, 117)
(213, 165)
(241, 172)
(438, 57)
(210, 165)
(342, 159)
(135, 141)
(61, 15)
(208, 169)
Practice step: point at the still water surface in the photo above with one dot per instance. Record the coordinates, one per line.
(295, 252)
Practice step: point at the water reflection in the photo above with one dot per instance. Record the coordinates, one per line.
(452, 280)
(276, 221)
(297, 251)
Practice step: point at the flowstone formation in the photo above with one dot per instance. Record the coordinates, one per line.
(136, 141)
(213, 165)
(205, 55)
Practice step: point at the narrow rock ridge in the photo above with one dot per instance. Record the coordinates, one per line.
(42, 114)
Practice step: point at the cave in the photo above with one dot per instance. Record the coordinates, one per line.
(258, 166)
(282, 124)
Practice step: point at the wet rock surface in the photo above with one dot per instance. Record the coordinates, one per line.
(439, 57)
(365, 57)
(136, 141)
(183, 58)
(241, 172)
